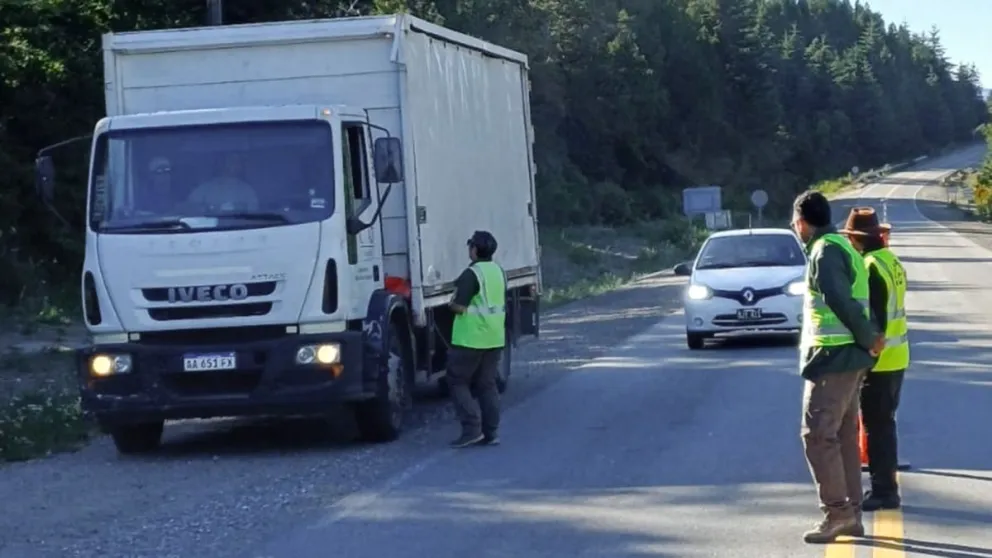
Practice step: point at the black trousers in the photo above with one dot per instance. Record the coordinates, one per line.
(472, 381)
(879, 402)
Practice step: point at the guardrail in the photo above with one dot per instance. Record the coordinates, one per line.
(872, 175)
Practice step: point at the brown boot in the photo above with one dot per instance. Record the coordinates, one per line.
(829, 529)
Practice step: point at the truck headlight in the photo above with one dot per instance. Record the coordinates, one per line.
(323, 353)
(104, 365)
(796, 288)
(699, 292)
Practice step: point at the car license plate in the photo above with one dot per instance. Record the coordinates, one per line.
(208, 362)
(749, 314)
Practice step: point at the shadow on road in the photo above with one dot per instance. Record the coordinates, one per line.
(918, 547)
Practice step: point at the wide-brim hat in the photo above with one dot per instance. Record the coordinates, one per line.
(863, 221)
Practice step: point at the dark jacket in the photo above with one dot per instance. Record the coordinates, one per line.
(830, 273)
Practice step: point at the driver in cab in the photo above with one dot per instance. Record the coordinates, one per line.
(227, 191)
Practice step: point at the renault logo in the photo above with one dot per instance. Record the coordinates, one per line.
(748, 295)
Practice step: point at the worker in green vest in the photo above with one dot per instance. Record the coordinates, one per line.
(478, 337)
(883, 385)
(838, 347)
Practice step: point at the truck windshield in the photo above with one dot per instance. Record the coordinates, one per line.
(217, 176)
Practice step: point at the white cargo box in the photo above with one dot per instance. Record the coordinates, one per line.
(460, 105)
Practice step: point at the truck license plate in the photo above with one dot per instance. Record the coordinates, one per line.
(213, 361)
(749, 314)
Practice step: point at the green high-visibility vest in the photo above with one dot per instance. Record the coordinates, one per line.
(895, 356)
(483, 324)
(821, 327)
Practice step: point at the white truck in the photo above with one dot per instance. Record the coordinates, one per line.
(277, 214)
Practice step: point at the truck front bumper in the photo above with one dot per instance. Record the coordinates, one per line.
(266, 380)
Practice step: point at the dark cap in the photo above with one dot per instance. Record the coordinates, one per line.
(484, 242)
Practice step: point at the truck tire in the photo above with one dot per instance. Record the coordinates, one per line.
(139, 438)
(505, 368)
(380, 419)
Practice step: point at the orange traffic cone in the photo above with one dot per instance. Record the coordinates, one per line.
(863, 447)
(862, 443)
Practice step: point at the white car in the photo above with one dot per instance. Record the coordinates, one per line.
(744, 280)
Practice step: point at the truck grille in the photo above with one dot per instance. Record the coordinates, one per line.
(161, 294)
(214, 335)
(214, 311)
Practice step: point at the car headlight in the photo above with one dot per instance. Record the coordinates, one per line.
(698, 292)
(104, 365)
(796, 288)
(323, 353)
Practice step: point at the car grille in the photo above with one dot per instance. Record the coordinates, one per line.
(738, 296)
(772, 318)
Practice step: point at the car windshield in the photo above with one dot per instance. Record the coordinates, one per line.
(753, 250)
(218, 176)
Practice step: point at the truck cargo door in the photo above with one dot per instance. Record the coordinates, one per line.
(364, 253)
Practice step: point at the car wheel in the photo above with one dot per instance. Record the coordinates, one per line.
(695, 341)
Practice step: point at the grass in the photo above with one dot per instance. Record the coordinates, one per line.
(579, 262)
(39, 405)
(833, 187)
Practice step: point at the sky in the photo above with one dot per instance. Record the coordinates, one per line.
(965, 27)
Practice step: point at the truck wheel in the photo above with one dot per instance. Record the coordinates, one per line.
(137, 438)
(505, 367)
(381, 418)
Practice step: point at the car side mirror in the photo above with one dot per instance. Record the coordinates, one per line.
(388, 157)
(683, 269)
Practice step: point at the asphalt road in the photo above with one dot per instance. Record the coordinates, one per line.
(653, 450)
(617, 441)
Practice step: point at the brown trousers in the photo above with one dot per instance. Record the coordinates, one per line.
(830, 439)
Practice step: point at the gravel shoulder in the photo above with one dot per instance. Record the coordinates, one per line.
(219, 488)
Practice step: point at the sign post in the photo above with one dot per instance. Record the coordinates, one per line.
(759, 198)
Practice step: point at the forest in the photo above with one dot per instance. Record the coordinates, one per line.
(632, 100)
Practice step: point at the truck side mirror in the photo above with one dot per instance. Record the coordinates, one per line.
(44, 177)
(683, 269)
(388, 154)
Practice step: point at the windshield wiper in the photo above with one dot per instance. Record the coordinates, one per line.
(259, 215)
(160, 225)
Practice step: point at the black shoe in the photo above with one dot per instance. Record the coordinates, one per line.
(466, 440)
(887, 501)
(488, 440)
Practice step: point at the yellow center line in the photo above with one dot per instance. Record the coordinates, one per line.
(888, 529)
(845, 547)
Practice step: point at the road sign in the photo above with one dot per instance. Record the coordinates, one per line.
(718, 220)
(855, 170)
(759, 198)
(701, 200)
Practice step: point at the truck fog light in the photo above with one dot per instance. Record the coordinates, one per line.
(324, 353)
(306, 355)
(329, 354)
(102, 366)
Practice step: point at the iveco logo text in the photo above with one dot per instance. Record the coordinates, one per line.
(238, 291)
